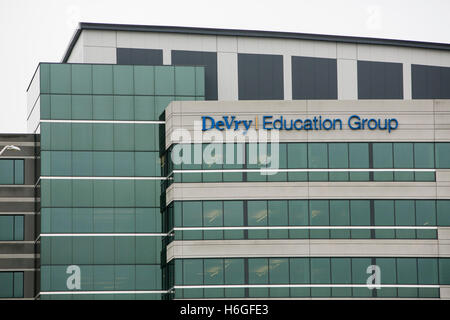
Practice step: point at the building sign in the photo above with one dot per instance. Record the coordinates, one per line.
(354, 122)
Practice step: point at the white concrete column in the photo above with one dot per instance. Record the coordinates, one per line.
(227, 79)
(407, 84)
(167, 56)
(287, 77)
(347, 76)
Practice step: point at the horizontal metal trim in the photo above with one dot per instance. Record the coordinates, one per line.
(19, 143)
(306, 286)
(16, 186)
(50, 235)
(18, 157)
(301, 170)
(102, 292)
(100, 178)
(18, 256)
(18, 199)
(9, 213)
(18, 269)
(105, 121)
(306, 228)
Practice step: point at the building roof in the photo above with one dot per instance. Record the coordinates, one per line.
(248, 33)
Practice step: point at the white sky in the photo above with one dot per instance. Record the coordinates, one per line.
(34, 31)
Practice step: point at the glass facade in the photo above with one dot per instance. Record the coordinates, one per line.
(279, 277)
(11, 285)
(104, 170)
(420, 157)
(101, 175)
(11, 171)
(306, 219)
(11, 228)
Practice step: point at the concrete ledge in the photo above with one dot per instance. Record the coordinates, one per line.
(302, 248)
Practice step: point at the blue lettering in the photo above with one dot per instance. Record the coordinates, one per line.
(204, 118)
(266, 122)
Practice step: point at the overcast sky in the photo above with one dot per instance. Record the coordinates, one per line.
(34, 31)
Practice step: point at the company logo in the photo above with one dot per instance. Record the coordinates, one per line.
(354, 122)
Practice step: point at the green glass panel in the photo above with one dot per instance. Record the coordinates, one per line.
(45, 106)
(146, 137)
(214, 271)
(82, 136)
(185, 81)
(102, 79)
(144, 108)
(124, 137)
(359, 159)
(61, 195)
(103, 107)
(193, 271)
(319, 216)
(427, 271)
(164, 80)
(442, 155)
(123, 108)
(338, 159)
(18, 228)
(278, 216)
(384, 216)
(388, 276)
(61, 221)
(124, 164)
(426, 216)
(83, 220)
(279, 270)
(60, 78)
(144, 80)
(258, 271)
(444, 274)
(61, 136)
(405, 216)
(103, 163)
(317, 159)
(61, 106)
(320, 274)
(44, 72)
(6, 284)
(341, 274)
(81, 79)
(360, 216)
(82, 163)
(277, 155)
(359, 276)
(213, 217)
(257, 216)
(298, 216)
(233, 217)
(6, 228)
(192, 217)
(124, 193)
(103, 193)
(403, 158)
(18, 172)
(340, 216)
(125, 252)
(6, 171)
(82, 107)
(443, 212)
(124, 220)
(123, 79)
(200, 81)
